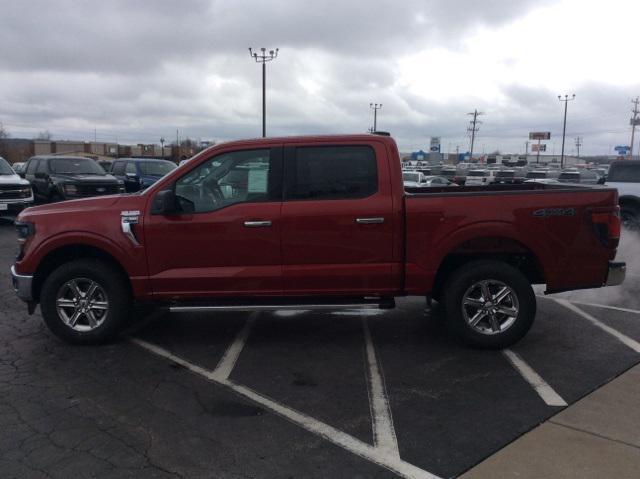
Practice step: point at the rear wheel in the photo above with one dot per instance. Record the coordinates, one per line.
(630, 217)
(86, 301)
(489, 304)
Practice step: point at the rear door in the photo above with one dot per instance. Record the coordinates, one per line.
(337, 224)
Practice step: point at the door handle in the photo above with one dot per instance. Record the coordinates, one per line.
(257, 224)
(369, 221)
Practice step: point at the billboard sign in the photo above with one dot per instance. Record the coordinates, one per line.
(540, 135)
(435, 144)
(622, 149)
(536, 147)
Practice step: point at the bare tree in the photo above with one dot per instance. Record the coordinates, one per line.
(44, 135)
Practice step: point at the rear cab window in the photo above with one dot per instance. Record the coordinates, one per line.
(330, 172)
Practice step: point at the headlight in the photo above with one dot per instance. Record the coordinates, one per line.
(70, 190)
(25, 191)
(25, 230)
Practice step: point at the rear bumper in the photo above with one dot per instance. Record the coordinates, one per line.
(616, 274)
(22, 285)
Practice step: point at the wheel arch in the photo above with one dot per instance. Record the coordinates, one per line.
(71, 252)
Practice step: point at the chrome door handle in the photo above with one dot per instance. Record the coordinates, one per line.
(369, 221)
(257, 224)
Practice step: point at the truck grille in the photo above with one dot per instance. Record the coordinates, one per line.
(8, 192)
(98, 189)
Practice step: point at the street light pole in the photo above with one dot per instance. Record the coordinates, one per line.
(375, 107)
(566, 100)
(263, 58)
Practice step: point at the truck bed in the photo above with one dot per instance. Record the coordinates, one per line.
(549, 225)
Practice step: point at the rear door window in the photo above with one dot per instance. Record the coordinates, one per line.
(331, 173)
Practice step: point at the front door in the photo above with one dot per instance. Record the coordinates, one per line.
(226, 239)
(337, 220)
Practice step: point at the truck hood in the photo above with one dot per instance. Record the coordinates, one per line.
(12, 180)
(84, 205)
(107, 179)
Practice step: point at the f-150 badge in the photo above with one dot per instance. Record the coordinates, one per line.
(548, 212)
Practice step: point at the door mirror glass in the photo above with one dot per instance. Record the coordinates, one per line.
(164, 203)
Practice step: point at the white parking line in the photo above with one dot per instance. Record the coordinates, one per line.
(366, 451)
(546, 392)
(231, 355)
(384, 434)
(606, 306)
(626, 340)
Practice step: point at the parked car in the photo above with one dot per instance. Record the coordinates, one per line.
(624, 175)
(579, 176)
(105, 164)
(541, 174)
(15, 192)
(140, 173)
(508, 177)
(412, 179)
(277, 240)
(57, 178)
(18, 167)
(481, 177)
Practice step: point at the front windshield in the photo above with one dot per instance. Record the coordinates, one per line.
(76, 166)
(156, 168)
(478, 173)
(5, 169)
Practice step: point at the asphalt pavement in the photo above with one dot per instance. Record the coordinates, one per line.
(291, 393)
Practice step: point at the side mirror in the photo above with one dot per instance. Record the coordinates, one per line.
(131, 177)
(602, 180)
(164, 203)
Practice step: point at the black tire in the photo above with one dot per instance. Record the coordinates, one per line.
(112, 289)
(630, 217)
(494, 329)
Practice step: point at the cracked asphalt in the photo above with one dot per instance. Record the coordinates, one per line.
(119, 411)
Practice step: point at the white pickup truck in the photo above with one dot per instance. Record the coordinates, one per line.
(624, 175)
(15, 192)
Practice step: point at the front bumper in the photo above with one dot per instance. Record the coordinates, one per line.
(15, 207)
(616, 274)
(22, 285)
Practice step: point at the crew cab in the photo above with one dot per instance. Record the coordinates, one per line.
(57, 178)
(313, 222)
(15, 193)
(138, 173)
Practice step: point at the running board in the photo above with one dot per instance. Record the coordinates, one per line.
(373, 303)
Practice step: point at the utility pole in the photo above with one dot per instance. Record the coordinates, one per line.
(473, 128)
(263, 58)
(162, 140)
(178, 144)
(566, 100)
(375, 107)
(634, 122)
(578, 145)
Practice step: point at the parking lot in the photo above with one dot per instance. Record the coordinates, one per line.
(359, 393)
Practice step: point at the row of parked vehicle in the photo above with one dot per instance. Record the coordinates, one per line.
(54, 178)
(472, 175)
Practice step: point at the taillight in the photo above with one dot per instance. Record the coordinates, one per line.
(607, 226)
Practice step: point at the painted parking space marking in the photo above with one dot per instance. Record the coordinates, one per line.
(384, 434)
(607, 306)
(546, 392)
(626, 340)
(381, 455)
(231, 355)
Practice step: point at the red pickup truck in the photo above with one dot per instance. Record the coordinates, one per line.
(313, 222)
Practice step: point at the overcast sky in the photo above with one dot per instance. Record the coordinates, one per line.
(138, 70)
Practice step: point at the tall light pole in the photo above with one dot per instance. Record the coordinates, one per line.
(375, 107)
(566, 100)
(635, 121)
(263, 58)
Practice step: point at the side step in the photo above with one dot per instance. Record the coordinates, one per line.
(276, 304)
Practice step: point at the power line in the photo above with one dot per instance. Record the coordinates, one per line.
(474, 128)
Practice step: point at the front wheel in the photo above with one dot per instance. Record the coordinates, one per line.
(489, 304)
(86, 301)
(630, 218)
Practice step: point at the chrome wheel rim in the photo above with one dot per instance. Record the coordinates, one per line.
(82, 304)
(490, 307)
